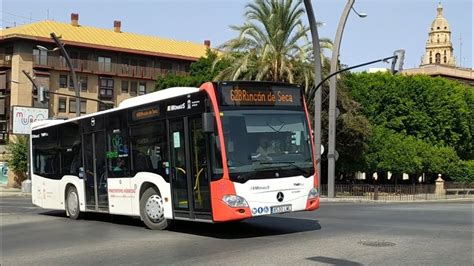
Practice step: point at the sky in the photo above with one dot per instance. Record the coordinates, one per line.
(390, 24)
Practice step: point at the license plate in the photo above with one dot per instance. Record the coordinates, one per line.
(281, 208)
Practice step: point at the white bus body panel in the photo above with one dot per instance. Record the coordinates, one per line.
(164, 188)
(51, 193)
(261, 194)
(124, 193)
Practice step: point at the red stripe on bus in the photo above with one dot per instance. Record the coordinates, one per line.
(220, 211)
(316, 174)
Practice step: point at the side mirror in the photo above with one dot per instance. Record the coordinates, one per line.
(208, 122)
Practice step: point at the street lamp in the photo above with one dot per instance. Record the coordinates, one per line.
(60, 47)
(333, 96)
(361, 14)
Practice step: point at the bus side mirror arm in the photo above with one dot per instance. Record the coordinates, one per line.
(208, 122)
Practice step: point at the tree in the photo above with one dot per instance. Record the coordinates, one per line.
(200, 71)
(272, 45)
(18, 158)
(421, 124)
(436, 110)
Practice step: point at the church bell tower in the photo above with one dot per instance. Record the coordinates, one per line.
(439, 48)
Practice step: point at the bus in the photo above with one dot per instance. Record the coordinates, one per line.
(225, 151)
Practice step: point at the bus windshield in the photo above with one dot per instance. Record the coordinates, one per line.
(266, 140)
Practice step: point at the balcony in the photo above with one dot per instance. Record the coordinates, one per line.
(5, 60)
(113, 69)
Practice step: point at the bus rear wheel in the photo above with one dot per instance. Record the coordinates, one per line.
(72, 203)
(152, 210)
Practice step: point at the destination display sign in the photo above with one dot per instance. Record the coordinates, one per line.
(145, 113)
(241, 95)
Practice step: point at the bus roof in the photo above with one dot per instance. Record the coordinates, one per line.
(135, 101)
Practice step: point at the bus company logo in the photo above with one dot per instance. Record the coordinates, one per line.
(171, 108)
(298, 184)
(260, 210)
(92, 121)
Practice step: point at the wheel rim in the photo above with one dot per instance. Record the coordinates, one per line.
(72, 203)
(154, 208)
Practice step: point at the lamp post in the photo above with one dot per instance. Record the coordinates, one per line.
(333, 97)
(317, 79)
(60, 47)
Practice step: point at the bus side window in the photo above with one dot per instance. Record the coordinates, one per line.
(149, 149)
(46, 154)
(118, 151)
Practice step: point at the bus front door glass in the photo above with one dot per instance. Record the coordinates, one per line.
(200, 180)
(178, 166)
(94, 171)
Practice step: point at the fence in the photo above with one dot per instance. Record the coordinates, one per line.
(399, 192)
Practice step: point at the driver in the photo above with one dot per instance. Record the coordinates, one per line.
(264, 149)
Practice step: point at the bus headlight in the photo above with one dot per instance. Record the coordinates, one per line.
(235, 201)
(313, 193)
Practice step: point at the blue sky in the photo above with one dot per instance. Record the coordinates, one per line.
(390, 25)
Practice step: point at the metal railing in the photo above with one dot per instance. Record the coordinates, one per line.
(393, 192)
(95, 67)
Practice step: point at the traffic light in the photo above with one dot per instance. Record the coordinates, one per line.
(43, 95)
(397, 62)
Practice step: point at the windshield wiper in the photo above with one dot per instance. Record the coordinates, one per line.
(302, 170)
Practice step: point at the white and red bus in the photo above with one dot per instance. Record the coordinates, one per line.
(226, 151)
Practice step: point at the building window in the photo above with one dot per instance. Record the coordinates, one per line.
(445, 60)
(438, 58)
(101, 107)
(83, 83)
(62, 105)
(72, 106)
(125, 86)
(40, 57)
(71, 83)
(63, 81)
(106, 88)
(133, 88)
(142, 88)
(105, 64)
(431, 60)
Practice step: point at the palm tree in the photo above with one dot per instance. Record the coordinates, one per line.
(272, 45)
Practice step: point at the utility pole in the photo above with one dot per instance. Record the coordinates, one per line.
(317, 79)
(73, 73)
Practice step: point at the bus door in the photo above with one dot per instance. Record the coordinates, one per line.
(189, 169)
(95, 174)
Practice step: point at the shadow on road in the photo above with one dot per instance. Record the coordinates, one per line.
(255, 227)
(333, 261)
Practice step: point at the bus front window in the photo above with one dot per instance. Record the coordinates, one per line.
(266, 140)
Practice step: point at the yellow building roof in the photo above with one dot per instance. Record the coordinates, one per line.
(106, 39)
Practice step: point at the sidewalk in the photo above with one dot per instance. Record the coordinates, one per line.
(365, 200)
(12, 192)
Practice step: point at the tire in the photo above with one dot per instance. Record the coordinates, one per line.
(72, 203)
(152, 210)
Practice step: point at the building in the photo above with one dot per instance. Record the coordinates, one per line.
(111, 66)
(439, 59)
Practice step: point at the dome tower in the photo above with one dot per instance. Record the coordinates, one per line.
(439, 48)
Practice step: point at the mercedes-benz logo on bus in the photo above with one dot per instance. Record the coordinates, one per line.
(280, 196)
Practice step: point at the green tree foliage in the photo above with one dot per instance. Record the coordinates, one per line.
(18, 158)
(423, 124)
(271, 45)
(200, 71)
(435, 110)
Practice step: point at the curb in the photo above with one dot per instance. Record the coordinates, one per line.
(337, 200)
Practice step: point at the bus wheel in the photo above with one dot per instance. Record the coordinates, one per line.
(72, 203)
(152, 211)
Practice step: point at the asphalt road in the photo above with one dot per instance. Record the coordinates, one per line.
(336, 234)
